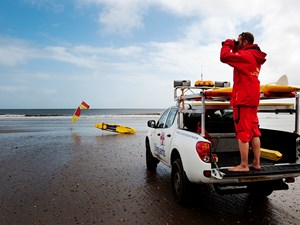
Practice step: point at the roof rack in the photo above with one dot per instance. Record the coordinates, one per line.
(199, 103)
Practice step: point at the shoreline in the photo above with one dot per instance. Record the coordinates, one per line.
(9, 131)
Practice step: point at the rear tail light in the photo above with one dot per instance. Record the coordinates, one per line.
(203, 150)
(207, 173)
(290, 180)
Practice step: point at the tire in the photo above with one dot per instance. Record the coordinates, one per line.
(261, 189)
(151, 162)
(181, 186)
(261, 193)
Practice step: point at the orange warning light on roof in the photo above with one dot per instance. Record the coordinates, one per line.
(204, 83)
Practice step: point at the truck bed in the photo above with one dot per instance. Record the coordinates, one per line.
(230, 159)
(226, 149)
(268, 167)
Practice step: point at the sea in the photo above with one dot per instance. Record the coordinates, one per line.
(50, 121)
(70, 112)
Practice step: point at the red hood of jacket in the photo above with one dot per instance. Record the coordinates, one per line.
(260, 56)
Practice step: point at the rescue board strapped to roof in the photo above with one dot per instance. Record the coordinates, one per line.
(279, 89)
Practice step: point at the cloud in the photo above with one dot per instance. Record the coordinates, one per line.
(119, 20)
(123, 17)
(43, 76)
(7, 89)
(118, 16)
(15, 51)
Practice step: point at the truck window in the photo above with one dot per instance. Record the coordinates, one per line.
(162, 120)
(171, 117)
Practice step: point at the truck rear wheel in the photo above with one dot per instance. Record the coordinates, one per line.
(261, 193)
(181, 186)
(151, 162)
(263, 189)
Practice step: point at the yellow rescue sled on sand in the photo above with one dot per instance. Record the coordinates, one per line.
(115, 128)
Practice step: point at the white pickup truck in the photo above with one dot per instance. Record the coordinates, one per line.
(196, 139)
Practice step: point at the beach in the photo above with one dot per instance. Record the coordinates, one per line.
(53, 172)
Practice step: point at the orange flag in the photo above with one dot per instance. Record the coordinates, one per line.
(76, 114)
(83, 105)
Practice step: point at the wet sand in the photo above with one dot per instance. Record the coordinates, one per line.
(102, 179)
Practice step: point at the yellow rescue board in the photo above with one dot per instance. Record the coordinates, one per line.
(115, 128)
(277, 89)
(226, 91)
(270, 154)
(272, 90)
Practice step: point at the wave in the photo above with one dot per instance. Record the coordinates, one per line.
(82, 116)
(42, 115)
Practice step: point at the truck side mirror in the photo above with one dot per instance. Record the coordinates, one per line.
(151, 123)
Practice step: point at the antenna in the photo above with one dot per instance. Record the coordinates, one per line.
(201, 72)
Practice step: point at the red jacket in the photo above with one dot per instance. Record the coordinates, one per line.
(246, 63)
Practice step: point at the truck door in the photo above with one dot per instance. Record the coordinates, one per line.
(164, 131)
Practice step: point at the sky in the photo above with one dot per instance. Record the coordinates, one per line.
(127, 53)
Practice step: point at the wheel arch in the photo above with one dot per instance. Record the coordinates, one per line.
(175, 155)
(147, 141)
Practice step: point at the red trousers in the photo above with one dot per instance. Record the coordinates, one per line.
(246, 123)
